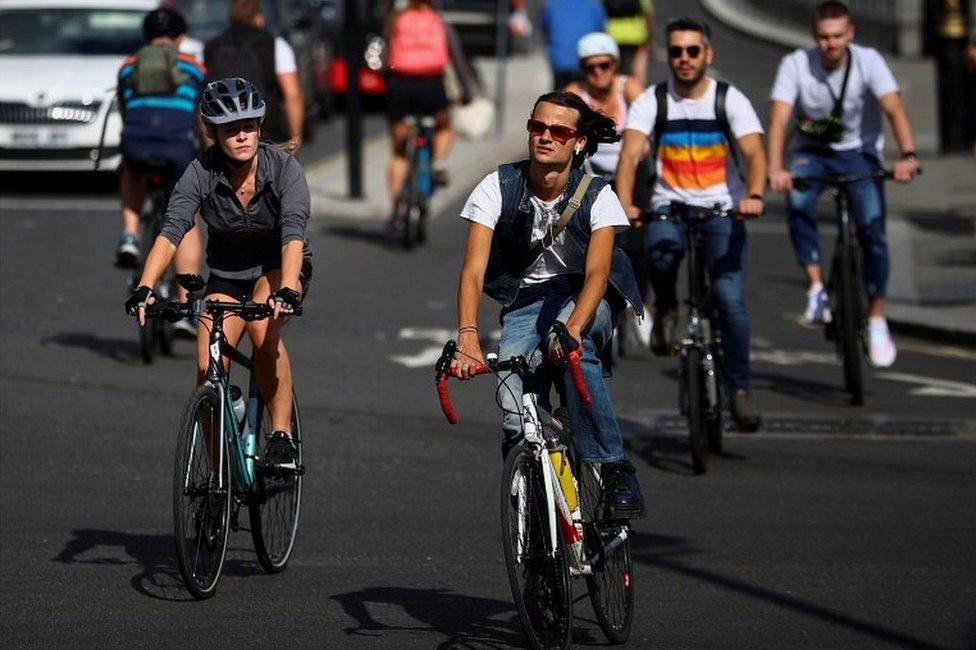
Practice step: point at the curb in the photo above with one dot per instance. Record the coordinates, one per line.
(740, 17)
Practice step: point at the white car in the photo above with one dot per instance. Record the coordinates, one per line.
(58, 65)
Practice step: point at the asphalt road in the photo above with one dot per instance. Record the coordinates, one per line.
(835, 528)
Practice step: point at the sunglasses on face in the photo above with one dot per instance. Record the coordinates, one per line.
(693, 51)
(558, 132)
(603, 66)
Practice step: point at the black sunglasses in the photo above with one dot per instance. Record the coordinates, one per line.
(603, 66)
(693, 51)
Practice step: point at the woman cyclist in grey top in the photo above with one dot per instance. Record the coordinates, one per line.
(255, 201)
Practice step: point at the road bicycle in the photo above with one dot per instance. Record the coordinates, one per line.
(845, 284)
(156, 334)
(219, 459)
(701, 358)
(555, 523)
(413, 204)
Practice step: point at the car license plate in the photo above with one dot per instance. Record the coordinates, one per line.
(40, 139)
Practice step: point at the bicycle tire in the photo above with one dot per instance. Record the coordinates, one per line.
(611, 587)
(201, 510)
(540, 581)
(274, 517)
(850, 318)
(697, 410)
(718, 422)
(147, 341)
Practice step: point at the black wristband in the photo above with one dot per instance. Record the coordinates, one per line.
(909, 155)
(757, 196)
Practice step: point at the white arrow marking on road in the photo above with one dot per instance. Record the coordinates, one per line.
(426, 357)
(438, 334)
(931, 387)
(792, 357)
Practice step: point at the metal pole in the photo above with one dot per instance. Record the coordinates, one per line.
(501, 60)
(952, 77)
(353, 39)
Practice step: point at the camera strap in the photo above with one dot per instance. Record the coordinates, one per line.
(838, 109)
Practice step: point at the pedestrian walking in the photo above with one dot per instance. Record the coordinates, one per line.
(838, 91)
(631, 24)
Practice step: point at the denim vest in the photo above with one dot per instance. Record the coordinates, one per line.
(512, 239)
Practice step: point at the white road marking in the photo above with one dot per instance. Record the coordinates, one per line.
(793, 357)
(932, 387)
(425, 358)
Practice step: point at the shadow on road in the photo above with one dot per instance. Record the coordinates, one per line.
(817, 392)
(658, 444)
(377, 236)
(665, 552)
(70, 183)
(114, 349)
(467, 621)
(155, 556)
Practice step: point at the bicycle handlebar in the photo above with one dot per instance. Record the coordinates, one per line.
(175, 311)
(839, 180)
(443, 370)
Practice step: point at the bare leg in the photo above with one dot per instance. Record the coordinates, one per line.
(188, 257)
(398, 161)
(814, 274)
(443, 135)
(132, 188)
(272, 366)
(876, 307)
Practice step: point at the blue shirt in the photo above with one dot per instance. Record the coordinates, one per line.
(564, 23)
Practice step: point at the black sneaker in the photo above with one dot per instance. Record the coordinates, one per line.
(621, 490)
(281, 452)
(744, 413)
(662, 333)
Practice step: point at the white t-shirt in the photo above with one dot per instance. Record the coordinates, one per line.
(484, 206)
(284, 57)
(801, 77)
(694, 164)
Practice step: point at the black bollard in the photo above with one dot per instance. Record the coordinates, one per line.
(353, 40)
(950, 48)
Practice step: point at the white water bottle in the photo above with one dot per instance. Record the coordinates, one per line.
(237, 401)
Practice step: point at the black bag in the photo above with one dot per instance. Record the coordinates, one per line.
(234, 58)
(623, 8)
(829, 130)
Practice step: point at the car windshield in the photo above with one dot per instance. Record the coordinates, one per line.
(207, 18)
(70, 31)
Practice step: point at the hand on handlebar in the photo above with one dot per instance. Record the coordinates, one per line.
(556, 353)
(284, 302)
(781, 181)
(905, 170)
(138, 300)
(750, 208)
(469, 357)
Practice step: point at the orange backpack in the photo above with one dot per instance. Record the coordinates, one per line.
(418, 46)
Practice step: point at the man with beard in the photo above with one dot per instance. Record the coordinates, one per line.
(694, 149)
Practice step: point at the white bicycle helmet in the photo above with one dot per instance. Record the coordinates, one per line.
(231, 99)
(597, 44)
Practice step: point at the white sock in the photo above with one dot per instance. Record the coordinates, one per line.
(878, 321)
(815, 288)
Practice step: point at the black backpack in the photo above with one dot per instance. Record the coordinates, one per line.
(721, 116)
(623, 8)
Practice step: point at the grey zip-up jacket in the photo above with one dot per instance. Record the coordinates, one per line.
(241, 245)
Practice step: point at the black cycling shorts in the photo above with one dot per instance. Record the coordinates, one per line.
(243, 290)
(415, 96)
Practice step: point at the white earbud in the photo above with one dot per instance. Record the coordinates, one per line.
(578, 149)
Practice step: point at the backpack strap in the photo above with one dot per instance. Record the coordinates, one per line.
(550, 238)
(661, 119)
(722, 117)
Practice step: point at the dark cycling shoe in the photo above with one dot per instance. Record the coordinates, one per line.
(621, 490)
(662, 333)
(281, 452)
(441, 179)
(127, 252)
(744, 413)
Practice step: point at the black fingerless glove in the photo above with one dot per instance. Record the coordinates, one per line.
(138, 298)
(287, 297)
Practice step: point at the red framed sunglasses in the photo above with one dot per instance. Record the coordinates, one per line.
(558, 132)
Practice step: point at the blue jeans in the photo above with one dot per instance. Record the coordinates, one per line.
(867, 209)
(725, 258)
(596, 434)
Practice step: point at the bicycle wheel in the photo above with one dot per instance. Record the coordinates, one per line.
(538, 567)
(850, 323)
(611, 587)
(201, 494)
(717, 422)
(164, 328)
(275, 504)
(147, 341)
(697, 410)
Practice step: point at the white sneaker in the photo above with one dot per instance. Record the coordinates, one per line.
(881, 349)
(642, 328)
(818, 307)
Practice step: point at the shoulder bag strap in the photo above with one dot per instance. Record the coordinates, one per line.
(550, 237)
(661, 119)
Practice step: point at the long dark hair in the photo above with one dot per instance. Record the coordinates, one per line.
(596, 126)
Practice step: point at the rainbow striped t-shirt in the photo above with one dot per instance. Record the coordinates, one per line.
(694, 162)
